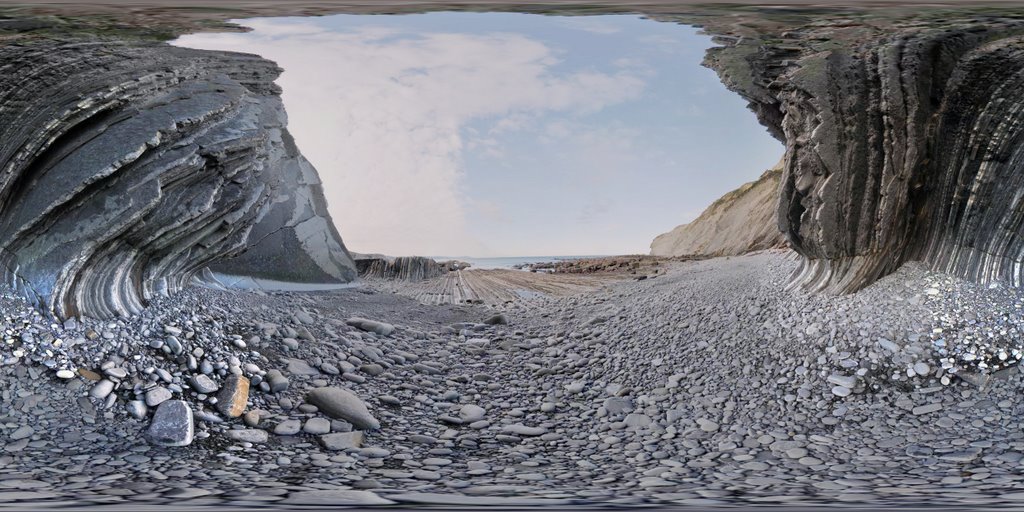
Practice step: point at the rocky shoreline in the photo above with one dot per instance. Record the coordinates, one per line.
(708, 385)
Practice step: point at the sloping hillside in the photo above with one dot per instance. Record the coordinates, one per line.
(741, 221)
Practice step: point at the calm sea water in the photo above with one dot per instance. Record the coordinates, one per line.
(509, 262)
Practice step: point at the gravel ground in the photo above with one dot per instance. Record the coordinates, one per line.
(706, 385)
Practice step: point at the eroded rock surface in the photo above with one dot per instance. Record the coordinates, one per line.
(406, 268)
(903, 139)
(128, 166)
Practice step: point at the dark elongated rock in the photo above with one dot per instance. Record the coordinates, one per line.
(127, 167)
(904, 141)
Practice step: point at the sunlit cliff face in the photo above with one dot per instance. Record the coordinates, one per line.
(513, 134)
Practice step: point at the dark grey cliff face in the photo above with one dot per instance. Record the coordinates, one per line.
(904, 142)
(405, 268)
(125, 168)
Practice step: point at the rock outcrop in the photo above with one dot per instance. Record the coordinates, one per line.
(404, 268)
(904, 140)
(739, 222)
(127, 166)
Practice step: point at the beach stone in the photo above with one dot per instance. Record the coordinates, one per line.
(255, 436)
(204, 384)
(233, 396)
(498, 319)
(618, 405)
(277, 381)
(251, 418)
(926, 409)
(157, 396)
(470, 413)
(342, 404)
(522, 430)
(138, 409)
(288, 428)
(342, 440)
(317, 426)
(172, 424)
(102, 389)
(373, 326)
(22, 432)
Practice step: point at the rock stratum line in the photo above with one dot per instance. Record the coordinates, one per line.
(126, 167)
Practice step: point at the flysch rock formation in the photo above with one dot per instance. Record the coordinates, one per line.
(127, 166)
(404, 268)
(739, 222)
(903, 139)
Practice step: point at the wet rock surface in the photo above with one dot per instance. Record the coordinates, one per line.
(707, 384)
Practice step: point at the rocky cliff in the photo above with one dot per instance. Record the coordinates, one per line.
(903, 138)
(127, 166)
(405, 268)
(741, 221)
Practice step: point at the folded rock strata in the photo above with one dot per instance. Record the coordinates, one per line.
(739, 222)
(904, 140)
(126, 167)
(406, 268)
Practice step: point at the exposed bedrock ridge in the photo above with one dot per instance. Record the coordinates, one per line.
(901, 144)
(125, 168)
(405, 268)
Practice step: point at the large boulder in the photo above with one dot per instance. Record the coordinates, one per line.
(342, 404)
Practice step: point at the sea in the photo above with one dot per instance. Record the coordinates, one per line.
(510, 262)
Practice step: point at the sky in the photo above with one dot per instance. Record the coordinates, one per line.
(501, 134)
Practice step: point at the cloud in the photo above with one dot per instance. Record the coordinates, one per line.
(382, 115)
(594, 210)
(591, 25)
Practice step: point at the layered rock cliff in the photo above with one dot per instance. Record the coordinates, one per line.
(404, 268)
(903, 141)
(127, 166)
(739, 222)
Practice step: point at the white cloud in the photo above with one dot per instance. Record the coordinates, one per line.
(591, 25)
(381, 115)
